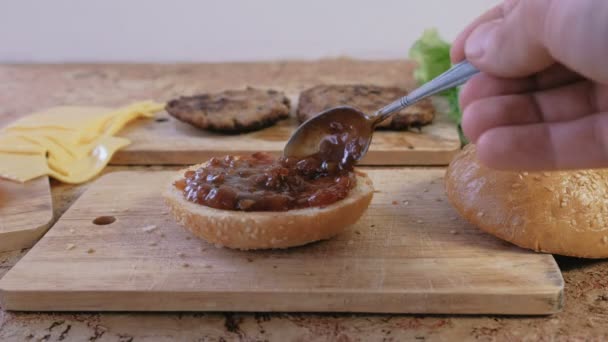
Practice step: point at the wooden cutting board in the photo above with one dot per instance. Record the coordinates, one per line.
(169, 141)
(26, 210)
(410, 253)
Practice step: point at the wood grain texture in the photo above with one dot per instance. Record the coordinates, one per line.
(26, 210)
(410, 253)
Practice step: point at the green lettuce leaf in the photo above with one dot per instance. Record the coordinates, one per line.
(432, 56)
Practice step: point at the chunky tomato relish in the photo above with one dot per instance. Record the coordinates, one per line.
(259, 182)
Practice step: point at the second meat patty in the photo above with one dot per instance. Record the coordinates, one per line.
(367, 98)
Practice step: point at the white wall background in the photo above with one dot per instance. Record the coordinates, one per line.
(208, 30)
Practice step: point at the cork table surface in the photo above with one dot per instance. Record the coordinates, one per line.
(27, 88)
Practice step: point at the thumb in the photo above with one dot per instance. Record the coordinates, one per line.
(511, 45)
(530, 35)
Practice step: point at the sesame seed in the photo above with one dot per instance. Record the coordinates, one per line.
(525, 173)
(70, 246)
(605, 239)
(516, 185)
(406, 202)
(480, 214)
(72, 230)
(536, 178)
(546, 174)
(149, 228)
(418, 221)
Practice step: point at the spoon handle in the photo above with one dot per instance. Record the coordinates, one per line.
(455, 76)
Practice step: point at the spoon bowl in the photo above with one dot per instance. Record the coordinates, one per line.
(341, 134)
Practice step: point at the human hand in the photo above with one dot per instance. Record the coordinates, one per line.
(541, 99)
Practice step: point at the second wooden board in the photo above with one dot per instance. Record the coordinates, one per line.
(168, 141)
(26, 211)
(117, 249)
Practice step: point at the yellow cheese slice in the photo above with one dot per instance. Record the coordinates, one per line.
(22, 167)
(69, 143)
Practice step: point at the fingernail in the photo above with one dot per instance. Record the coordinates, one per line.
(479, 40)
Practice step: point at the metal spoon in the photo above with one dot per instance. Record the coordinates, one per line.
(343, 134)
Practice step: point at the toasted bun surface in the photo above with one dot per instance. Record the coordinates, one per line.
(265, 230)
(562, 212)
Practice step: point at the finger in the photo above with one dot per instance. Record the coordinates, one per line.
(457, 50)
(484, 85)
(547, 146)
(565, 103)
(534, 34)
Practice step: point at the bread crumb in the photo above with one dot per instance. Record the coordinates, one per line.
(72, 230)
(537, 177)
(149, 228)
(308, 273)
(546, 174)
(515, 185)
(90, 251)
(203, 249)
(152, 244)
(453, 232)
(406, 202)
(418, 221)
(525, 173)
(426, 190)
(208, 266)
(162, 235)
(181, 255)
(185, 265)
(350, 242)
(480, 214)
(605, 239)
(188, 238)
(395, 203)
(70, 246)
(438, 199)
